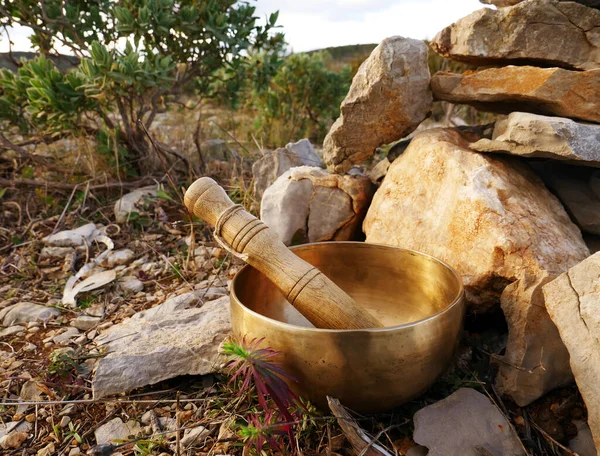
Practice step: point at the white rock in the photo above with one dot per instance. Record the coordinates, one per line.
(73, 238)
(11, 331)
(115, 430)
(55, 252)
(307, 204)
(533, 135)
(64, 421)
(132, 202)
(274, 163)
(24, 312)
(465, 423)
(130, 284)
(66, 336)
(85, 322)
(15, 426)
(75, 451)
(118, 257)
(179, 337)
(388, 99)
(194, 435)
(573, 302)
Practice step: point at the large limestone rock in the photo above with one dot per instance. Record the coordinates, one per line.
(274, 163)
(179, 337)
(496, 223)
(578, 188)
(551, 91)
(307, 204)
(547, 32)
(466, 423)
(573, 302)
(533, 135)
(388, 99)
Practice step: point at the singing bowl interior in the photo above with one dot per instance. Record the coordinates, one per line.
(419, 299)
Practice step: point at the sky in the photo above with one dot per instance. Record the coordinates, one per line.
(315, 24)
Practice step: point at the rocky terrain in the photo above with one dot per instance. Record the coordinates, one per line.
(111, 329)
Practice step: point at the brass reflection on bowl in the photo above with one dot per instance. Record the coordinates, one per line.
(419, 299)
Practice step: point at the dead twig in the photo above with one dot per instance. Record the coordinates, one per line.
(361, 442)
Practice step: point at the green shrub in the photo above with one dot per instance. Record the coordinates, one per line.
(136, 57)
(301, 100)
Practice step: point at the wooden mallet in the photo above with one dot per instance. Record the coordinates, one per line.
(314, 295)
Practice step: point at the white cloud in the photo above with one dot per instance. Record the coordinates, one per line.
(315, 24)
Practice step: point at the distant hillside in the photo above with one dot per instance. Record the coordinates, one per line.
(63, 62)
(353, 55)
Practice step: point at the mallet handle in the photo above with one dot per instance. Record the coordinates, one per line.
(315, 296)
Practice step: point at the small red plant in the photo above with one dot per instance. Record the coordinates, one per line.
(252, 365)
(265, 431)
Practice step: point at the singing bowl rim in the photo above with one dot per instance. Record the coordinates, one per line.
(457, 300)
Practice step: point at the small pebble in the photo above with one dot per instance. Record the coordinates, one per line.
(29, 347)
(75, 451)
(65, 420)
(30, 418)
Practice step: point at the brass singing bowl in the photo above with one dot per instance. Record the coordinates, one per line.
(419, 299)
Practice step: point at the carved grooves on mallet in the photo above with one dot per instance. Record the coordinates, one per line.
(246, 234)
(301, 284)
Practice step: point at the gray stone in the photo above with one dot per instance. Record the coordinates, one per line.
(467, 424)
(55, 252)
(118, 258)
(179, 337)
(193, 436)
(85, 322)
(573, 302)
(11, 331)
(546, 32)
(116, 430)
(533, 344)
(577, 188)
(132, 202)
(583, 443)
(307, 204)
(533, 135)
(274, 163)
(15, 426)
(30, 391)
(73, 238)
(389, 98)
(66, 336)
(24, 312)
(130, 284)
